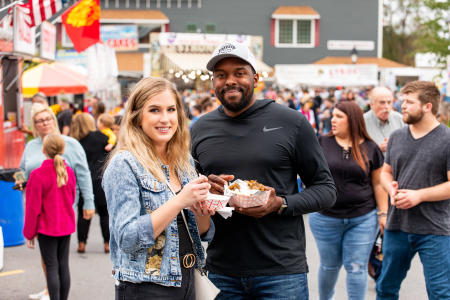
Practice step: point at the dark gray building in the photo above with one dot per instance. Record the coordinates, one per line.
(294, 32)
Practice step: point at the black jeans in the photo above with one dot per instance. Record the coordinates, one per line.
(148, 290)
(55, 253)
(83, 224)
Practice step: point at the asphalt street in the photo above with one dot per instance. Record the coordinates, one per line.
(91, 273)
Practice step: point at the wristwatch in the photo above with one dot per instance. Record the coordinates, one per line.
(283, 206)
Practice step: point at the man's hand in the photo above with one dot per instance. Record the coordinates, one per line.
(407, 198)
(394, 191)
(273, 204)
(383, 145)
(217, 183)
(88, 213)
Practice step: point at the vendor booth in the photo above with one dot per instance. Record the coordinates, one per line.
(182, 57)
(17, 43)
(334, 71)
(295, 76)
(394, 77)
(53, 79)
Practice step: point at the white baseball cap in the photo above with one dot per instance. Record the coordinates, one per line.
(230, 49)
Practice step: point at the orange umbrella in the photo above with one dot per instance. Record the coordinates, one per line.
(53, 79)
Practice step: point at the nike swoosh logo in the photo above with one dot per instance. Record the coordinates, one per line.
(270, 129)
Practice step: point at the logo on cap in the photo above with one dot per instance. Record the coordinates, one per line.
(227, 48)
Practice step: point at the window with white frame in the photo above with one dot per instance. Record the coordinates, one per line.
(292, 33)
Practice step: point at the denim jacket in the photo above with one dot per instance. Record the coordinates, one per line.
(132, 193)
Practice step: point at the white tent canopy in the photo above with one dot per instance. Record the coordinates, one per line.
(292, 76)
(388, 76)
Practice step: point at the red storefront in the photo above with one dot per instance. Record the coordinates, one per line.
(16, 44)
(12, 140)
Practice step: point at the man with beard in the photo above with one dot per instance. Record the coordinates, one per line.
(381, 120)
(259, 252)
(416, 174)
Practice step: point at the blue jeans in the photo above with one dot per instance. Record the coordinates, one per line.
(345, 242)
(286, 287)
(399, 249)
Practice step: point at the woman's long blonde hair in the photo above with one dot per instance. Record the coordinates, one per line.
(133, 139)
(81, 125)
(37, 108)
(54, 147)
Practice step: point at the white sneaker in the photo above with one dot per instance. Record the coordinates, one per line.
(45, 297)
(39, 295)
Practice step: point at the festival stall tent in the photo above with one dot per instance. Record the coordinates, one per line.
(53, 79)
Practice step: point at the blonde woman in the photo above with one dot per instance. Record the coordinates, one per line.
(149, 181)
(93, 142)
(50, 216)
(44, 123)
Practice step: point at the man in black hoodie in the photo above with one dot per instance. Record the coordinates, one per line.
(259, 252)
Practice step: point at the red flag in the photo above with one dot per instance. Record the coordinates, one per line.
(82, 23)
(41, 10)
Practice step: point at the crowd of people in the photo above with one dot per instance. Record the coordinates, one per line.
(365, 168)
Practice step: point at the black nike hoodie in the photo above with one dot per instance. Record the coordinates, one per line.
(270, 143)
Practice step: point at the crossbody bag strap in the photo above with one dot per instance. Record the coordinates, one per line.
(189, 233)
(202, 271)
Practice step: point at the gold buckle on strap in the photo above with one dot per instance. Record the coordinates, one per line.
(188, 260)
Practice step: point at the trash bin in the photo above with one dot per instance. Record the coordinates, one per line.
(1, 249)
(11, 210)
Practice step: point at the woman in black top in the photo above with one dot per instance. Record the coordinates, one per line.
(346, 232)
(93, 143)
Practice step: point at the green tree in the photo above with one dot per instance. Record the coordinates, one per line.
(433, 29)
(401, 19)
(399, 47)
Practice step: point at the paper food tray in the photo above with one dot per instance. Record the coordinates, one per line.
(257, 198)
(215, 202)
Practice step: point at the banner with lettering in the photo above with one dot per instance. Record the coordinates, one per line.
(120, 37)
(292, 76)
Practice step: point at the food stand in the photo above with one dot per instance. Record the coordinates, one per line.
(182, 57)
(16, 44)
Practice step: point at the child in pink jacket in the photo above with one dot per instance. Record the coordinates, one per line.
(49, 214)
